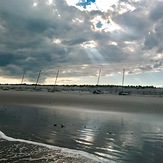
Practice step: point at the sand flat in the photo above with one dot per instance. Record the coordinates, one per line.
(86, 101)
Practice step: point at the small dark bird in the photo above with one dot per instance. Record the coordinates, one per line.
(55, 125)
(62, 126)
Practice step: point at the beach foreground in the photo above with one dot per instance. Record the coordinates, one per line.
(73, 127)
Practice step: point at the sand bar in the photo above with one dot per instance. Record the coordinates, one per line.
(84, 101)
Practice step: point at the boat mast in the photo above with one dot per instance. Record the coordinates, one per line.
(37, 79)
(123, 79)
(23, 77)
(56, 80)
(99, 77)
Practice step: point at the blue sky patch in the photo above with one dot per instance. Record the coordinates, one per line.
(85, 3)
(99, 24)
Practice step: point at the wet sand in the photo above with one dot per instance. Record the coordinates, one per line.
(100, 102)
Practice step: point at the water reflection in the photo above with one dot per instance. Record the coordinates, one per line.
(115, 136)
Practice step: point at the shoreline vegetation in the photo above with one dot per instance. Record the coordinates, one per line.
(93, 89)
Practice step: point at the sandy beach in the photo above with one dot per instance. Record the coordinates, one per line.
(80, 127)
(100, 102)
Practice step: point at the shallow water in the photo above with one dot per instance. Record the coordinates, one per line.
(63, 134)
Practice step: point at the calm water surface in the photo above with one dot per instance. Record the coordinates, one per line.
(110, 136)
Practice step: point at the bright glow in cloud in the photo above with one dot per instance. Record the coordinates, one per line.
(158, 56)
(124, 7)
(50, 2)
(57, 41)
(35, 4)
(113, 43)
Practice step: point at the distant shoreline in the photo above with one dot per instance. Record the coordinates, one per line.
(101, 102)
(93, 89)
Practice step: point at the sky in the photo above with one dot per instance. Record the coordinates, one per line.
(79, 38)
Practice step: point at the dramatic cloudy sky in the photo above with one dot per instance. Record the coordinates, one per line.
(80, 37)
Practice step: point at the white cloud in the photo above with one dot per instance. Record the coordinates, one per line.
(101, 5)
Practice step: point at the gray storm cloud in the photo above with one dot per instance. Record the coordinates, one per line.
(37, 36)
